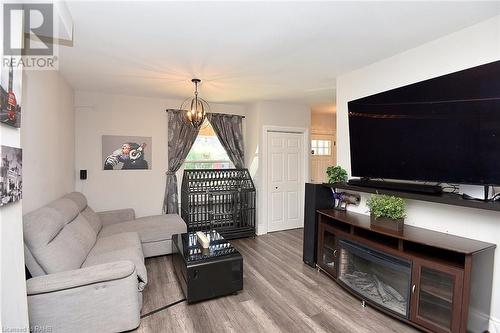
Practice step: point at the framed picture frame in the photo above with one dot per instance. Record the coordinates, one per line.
(126, 152)
(10, 94)
(11, 175)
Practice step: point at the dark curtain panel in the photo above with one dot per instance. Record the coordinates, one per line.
(228, 129)
(181, 137)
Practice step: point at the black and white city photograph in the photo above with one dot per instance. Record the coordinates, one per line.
(11, 175)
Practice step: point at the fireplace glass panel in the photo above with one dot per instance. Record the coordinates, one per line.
(376, 276)
(435, 302)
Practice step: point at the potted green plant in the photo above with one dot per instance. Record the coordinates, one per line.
(336, 174)
(387, 211)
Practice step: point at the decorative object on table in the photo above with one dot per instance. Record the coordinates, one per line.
(222, 199)
(336, 174)
(202, 239)
(126, 152)
(342, 199)
(11, 175)
(195, 107)
(10, 94)
(387, 211)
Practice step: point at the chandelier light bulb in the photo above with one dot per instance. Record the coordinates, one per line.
(195, 108)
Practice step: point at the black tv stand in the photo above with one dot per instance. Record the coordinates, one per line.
(404, 187)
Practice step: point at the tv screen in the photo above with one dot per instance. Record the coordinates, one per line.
(446, 129)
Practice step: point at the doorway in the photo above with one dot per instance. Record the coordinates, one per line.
(284, 179)
(322, 156)
(323, 136)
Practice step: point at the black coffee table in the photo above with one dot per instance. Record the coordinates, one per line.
(205, 274)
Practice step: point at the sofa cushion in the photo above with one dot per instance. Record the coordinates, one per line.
(93, 219)
(81, 201)
(58, 238)
(123, 246)
(68, 249)
(78, 198)
(150, 228)
(33, 266)
(42, 225)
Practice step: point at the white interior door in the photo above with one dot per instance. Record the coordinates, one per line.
(322, 156)
(285, 180)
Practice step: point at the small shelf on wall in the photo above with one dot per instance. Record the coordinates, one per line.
(443, 198)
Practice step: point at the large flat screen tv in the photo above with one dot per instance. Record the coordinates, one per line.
(446, 129)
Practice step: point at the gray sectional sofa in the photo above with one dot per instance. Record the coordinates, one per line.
(88, 268)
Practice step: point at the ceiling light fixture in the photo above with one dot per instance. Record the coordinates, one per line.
(196, 108)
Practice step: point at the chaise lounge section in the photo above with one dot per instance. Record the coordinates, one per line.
(88, 268)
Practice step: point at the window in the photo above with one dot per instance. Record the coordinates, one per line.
(321, 147)
(207, 151)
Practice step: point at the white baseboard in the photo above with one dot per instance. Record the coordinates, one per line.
(477, 320)
(494, 325)
(260, 230)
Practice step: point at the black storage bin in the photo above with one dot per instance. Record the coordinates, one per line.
(222, 199)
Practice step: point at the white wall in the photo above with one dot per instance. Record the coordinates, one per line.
(13, 304)
(472, 46)
(269, 114)
(48, 139)
(13, 307)
(252, 141)
(104, 114)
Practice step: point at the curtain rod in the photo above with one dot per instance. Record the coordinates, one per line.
(171, 110)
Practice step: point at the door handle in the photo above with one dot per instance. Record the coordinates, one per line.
(335, 253)
(413, 288)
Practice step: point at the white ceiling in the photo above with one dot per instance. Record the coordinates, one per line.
(247, 51)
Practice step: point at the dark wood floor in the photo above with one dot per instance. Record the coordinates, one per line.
(281, 294)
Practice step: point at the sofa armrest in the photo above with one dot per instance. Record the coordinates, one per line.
(80, 277)
(116, 216)
(101, 298)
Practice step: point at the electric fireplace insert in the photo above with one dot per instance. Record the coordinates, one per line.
(375, 276)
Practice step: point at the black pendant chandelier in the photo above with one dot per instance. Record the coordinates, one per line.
(196, 108)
